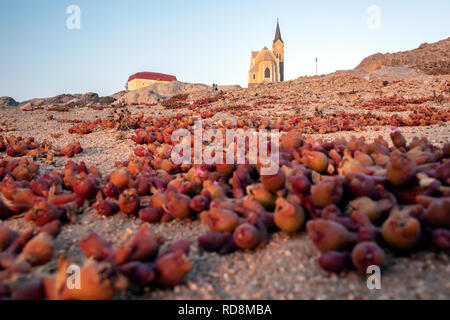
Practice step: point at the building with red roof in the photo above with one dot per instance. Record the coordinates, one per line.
(144, 79)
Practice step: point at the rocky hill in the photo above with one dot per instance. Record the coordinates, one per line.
(430, 58)
(162, 91)
(89, 98)
(151, 94)
(8, 102)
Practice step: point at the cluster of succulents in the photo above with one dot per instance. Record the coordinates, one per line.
(322, 122)
(70, 150)
(6, 126)
(331, 121)
(17, 173)
(19, 147)
(138, 261)
(120, 120)
(176, 102)
(19, 253)
(355, 199)
(55, 198)
(395, 101)
(206, 101)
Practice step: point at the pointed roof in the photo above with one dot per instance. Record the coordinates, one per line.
(278, 33)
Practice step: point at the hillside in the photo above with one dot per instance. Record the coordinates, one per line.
(430, 58)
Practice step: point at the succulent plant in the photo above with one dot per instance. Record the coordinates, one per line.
(289, 216)
(402, 231)
(329, 235)
(367, 254)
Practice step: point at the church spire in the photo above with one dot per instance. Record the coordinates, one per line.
(278, 33)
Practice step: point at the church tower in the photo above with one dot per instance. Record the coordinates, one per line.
(278, 50)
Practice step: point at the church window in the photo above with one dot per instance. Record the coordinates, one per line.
(254, 76)
(267, 73)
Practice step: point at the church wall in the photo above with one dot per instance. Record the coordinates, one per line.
(141, 83)
(250, 77)
(262, 67)
(274, 67)
(260, 74)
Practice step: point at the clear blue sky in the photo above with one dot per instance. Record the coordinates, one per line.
(198, 40)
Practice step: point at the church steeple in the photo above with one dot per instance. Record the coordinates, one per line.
(278, 50)
(278, 33)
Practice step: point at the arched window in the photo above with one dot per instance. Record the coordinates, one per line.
(254, 76)
(267, 73)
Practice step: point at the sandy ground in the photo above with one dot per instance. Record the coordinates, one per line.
(286, 268)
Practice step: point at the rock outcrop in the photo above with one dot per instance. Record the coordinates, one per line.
(152, 94)
(8, 102)
(72, 100)
(161, 91)
(430, 58)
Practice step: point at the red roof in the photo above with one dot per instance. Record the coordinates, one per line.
(152, 76)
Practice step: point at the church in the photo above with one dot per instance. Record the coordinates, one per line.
(268, 65)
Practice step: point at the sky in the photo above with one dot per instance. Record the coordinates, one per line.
(201, 41)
